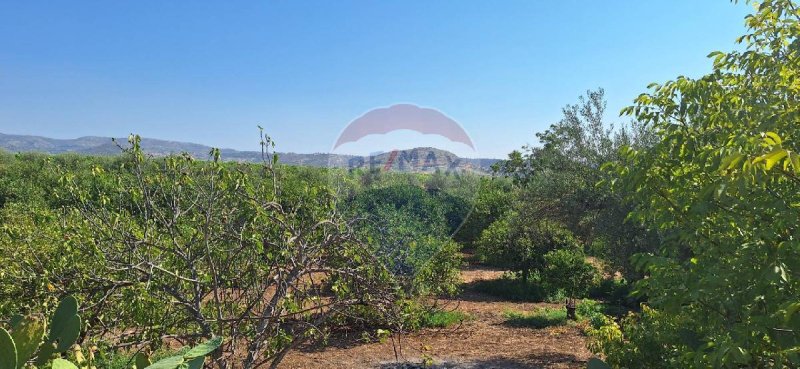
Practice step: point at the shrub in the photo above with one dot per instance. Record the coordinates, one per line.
(175, 235)
(592, 312)
(492, 245)
(510, 288)
(436, 263)
(614, 291)
(569, 271)
(514, 244)
(638, 340)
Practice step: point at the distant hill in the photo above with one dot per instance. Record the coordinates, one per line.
(410, 160)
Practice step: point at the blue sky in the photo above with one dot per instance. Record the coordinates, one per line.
(210, 72)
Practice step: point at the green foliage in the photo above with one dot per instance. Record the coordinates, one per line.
(637, 340)
(192, 359)
(721, 185)
(510, 288)
(130, 236)
(27, 342)
(595, 313)
(615, 291)
(408, 228)
(569, 271)
(494, 242)
(516, 244)
(557, 181)
(493, 200)
(27, 337)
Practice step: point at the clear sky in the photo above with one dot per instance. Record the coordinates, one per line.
(211, 71)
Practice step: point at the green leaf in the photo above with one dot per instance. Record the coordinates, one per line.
(197, 363)
(791, 310)
(795, 159)
(171, 362)
(771, 158)
(27, 335)
(142, 361)
(15, 320)
(730, 161)
(203, 349)
(8, 351)
(70, 333)
(773, 137)
(62, 316)
(63, 364)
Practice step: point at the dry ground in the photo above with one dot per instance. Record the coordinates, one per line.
(483, 342)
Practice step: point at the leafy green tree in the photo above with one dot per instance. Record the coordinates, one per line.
(558, 179)
(493, 200)
(514, 243)
(568, 271)
(721, 185)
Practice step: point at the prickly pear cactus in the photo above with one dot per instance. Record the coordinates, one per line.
(27, 335)
(65, 327)
(27, 338)
(595, 363)
(27, 341)
(141, 361)
(8, 351)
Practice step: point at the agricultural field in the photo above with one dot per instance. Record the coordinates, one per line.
(670, 241)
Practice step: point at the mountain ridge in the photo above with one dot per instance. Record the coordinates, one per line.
(414, 159)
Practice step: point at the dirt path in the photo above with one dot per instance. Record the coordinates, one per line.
(484, 342)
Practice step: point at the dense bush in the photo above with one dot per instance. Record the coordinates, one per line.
(721, 184)
(492, 245)
(614, 291)
(491, 203)
(568, 270)
(408, 229)
(557, 180)
(510, 288)
(637, 341)
(516, 244)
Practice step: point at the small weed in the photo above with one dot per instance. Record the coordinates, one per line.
(443, 319)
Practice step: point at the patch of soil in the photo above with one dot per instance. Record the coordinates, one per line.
(483, 342)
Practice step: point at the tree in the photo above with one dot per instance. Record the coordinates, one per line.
(721, 185)
(568, 271)
(215, 249)
(493, 200)
(514, 243)
(558, 180)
